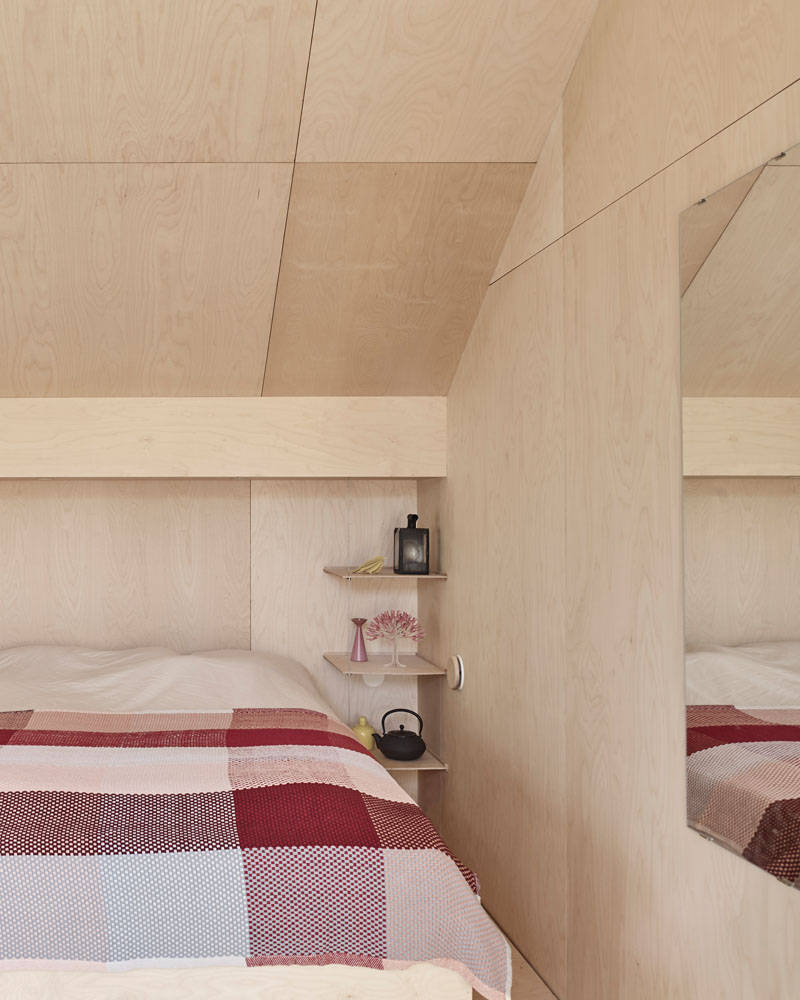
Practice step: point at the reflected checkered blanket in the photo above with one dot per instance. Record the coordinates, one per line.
(251, 836)
(743, 773)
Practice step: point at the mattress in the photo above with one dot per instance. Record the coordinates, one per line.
(156, 680)
(743, 751)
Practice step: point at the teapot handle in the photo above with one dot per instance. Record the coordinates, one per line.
(392, 712)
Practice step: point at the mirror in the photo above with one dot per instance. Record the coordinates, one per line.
(740, 344)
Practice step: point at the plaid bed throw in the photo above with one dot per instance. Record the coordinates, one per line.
(243, 837)
(744, 782)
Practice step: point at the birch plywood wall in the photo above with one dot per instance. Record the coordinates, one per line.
(120, 564)
(247, 197)
(667, 103)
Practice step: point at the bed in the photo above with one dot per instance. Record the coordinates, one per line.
(203, 825)
(743, 751)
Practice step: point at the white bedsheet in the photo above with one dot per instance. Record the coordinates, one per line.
(758, 675)
(71, 678)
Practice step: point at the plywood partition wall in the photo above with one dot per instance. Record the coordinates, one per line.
(647, 909)
(118, 564)
(500, 517)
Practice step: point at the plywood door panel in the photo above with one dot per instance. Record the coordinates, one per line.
(120, 564)
(299, 611)
(741, 559)
(704, 223)
(384, 268)
(654, 79)
(138, 280)
(499, 519)
(740, 318)
(540, 219)
(121, 80)
(437, 80)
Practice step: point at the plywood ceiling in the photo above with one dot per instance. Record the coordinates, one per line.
(156, 209)
(740, 317)
(388, 263)
(437, 80)
(704, 223)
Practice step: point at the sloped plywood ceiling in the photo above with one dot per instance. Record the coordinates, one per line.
(230, 197)
(740, 316)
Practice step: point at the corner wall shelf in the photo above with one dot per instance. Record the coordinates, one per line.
(427, 762)
(378, 663)
(348, 573)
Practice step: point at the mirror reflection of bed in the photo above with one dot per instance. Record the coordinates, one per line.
(740, 345)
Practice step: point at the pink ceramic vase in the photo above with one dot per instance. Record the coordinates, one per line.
(359, 651)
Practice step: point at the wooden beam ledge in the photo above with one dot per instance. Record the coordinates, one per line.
(741, 436)
(293, 437)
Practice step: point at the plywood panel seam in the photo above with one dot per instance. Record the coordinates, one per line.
(527, 260)
(645, 181)
(289, 199)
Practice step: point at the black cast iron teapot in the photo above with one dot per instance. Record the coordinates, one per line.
(400, 744)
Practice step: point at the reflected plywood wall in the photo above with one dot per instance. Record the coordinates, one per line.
(741, 560)
(666, 104)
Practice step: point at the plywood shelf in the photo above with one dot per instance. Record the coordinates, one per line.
(427, 762)
(378, 663)
(348, 573)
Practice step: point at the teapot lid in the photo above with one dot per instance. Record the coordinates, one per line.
(403, 732)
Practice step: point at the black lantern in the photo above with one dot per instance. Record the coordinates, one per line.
(411, 548)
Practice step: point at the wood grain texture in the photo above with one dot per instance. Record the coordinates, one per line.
(330, 982)
(437, 80)
(740, 318)
(704, 223)
(384, 269)
(741, 560)
(637, 876)
(301, 612)
(227, 437)
(122, 80)
(120, 564)
(741, 436)
(540, 219)
(138, 280)
(498, 520)
(655, 79)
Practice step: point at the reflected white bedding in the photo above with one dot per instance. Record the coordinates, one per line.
(78, 679)
(70, 678)
(758, 675)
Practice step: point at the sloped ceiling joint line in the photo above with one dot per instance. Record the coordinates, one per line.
(716, 241)
(647, 180)
(289, 199)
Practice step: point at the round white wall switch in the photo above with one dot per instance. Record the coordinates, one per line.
(455, 672)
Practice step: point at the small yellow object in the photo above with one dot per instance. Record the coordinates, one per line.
(371, 566)
(364, 732)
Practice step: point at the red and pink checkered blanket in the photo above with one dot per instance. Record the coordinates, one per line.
(743, 773)
(244, 837)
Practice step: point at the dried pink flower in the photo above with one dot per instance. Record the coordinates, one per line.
(394, 625)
